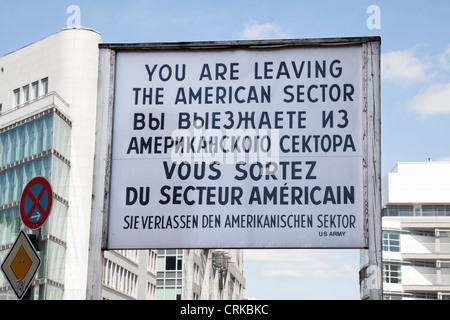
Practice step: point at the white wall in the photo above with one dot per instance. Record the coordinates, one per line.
(421, 182)
(78, 79)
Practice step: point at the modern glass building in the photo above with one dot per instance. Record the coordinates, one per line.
(48, 96)
(199, 274)
(38, 145)
(415, 233)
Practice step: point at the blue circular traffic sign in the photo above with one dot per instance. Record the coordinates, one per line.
(36, 202)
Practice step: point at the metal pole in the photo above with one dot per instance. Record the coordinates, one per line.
(102, 170)
(35, 239)
(373, 163)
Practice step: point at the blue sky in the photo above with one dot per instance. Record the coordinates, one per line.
(415, 88)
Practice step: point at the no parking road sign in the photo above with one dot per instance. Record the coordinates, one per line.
(36, 202)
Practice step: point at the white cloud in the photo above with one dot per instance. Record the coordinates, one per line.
(444, 58)
(434, 100)
(403, 67)
(254, 30)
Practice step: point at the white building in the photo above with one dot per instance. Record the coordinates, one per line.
(173, 274)
(48, 101)
(416, 231)
(198, 274)
(48, 96)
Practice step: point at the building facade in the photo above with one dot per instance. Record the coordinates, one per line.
(199, 274)
(47, 98)
(173, 274)
(416, 233)
(48, 102)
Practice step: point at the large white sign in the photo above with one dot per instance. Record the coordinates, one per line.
(238, 148)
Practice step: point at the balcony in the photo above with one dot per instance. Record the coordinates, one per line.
(426, 248)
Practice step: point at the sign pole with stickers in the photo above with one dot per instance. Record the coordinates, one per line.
(22, 262)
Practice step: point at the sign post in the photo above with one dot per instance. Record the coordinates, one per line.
(22, 262)
(246, 144)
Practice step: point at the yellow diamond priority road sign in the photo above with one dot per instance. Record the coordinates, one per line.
(21, 265)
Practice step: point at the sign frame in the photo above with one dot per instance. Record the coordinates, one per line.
(371, 122)
(371, 106)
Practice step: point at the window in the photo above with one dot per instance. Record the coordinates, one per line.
(392, 273)
(16, 101)
(394, 210)
(435, 210)
(417, 212)
(0, 109)
(35, 90)
(392, 296)
(30, 95)
(26, 93)
(170, 263)
(44, 83)
(179, 263)
(169, 276)
(391, 241)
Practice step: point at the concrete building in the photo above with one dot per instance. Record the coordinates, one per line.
(173, 274)
(48, 97)
(199, 274)
(416, 232)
